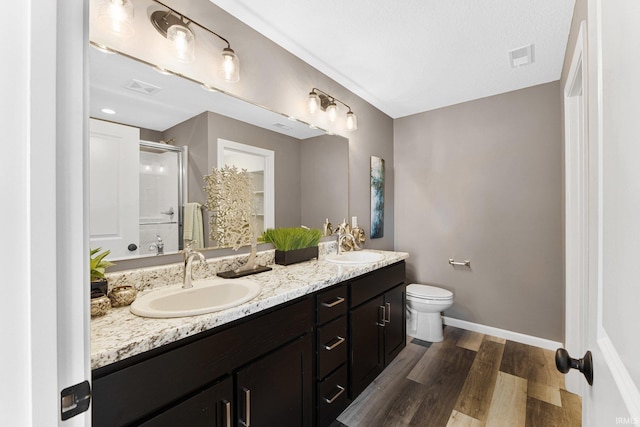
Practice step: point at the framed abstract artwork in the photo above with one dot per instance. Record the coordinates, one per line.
(377, 197)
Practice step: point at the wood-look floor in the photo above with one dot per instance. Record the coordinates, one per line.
(471, 380)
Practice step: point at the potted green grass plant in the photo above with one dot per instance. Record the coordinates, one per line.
(97, 267)
(293, 244)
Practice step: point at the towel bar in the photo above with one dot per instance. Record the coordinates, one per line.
(158, 223)
(466, 263)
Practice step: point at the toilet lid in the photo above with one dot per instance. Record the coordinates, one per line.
(426, 291)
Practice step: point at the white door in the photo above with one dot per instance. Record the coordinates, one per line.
(613, 298)
(576, 208)
(114, 188)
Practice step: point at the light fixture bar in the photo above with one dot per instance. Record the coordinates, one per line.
(191, 21)
(325, 100)
(319, 99)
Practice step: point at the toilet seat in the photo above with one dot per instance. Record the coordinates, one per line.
(417, 291)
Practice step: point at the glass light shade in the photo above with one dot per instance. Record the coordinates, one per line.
(117, 17)
(230, 65)
(352, 121)
(332, 111)
(314, 102)
(183, 42)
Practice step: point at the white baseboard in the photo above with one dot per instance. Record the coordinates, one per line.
(503, 333)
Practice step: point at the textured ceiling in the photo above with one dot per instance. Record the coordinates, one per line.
(410, 56)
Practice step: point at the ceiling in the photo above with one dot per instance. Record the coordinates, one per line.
(406, 57)
(144, 98)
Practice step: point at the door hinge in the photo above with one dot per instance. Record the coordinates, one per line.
(75, 399)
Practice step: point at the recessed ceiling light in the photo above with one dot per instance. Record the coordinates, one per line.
(108, 111)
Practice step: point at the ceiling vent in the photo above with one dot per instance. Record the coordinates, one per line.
(521, 56)
(142, 87)
(281, 126)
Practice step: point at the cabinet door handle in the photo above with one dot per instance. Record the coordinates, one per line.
(335, 396)
(387, 318)
(227, 413)
(339, 340)
(338, 300)
(247, 408)
(381, 316)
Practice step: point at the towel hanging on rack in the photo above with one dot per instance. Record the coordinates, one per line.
(193, 231)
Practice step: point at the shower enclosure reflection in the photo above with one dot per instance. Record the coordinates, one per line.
(136, 192)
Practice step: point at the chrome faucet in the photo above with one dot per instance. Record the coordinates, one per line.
(158, 246)
(189, 255)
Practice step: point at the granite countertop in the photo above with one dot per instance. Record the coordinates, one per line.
(120, 334)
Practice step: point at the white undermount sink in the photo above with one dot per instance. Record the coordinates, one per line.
(206, 296)
(354, 258)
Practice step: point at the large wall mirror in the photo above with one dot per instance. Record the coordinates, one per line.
(310, 172)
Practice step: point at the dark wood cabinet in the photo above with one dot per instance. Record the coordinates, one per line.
(377, 320)
(395, 329)
(297, 364)
(212, 407)
(275, 390)
(367, 344)
(143, 387)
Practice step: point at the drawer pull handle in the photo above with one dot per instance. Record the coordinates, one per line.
(338, 300)
(339, 340)
(381, 315)
(335, 396)
(387, 318)
(247, 408)
(227, 413)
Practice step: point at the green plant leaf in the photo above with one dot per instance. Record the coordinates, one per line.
(288, 239)
(97, 263)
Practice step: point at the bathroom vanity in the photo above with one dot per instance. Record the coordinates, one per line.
(297, 355)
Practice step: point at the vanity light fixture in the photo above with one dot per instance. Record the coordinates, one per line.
(175, 27)
(117, 16)
(177, 31)
(320, 100)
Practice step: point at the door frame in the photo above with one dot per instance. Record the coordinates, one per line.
(576, 206)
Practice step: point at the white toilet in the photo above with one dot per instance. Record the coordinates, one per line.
(424, 305)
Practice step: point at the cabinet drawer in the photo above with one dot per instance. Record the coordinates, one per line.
(376, 283)
(332, 346)
(331, 304)
(332, 397)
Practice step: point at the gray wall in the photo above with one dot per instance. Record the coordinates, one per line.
(325, 194)
(482, 181)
